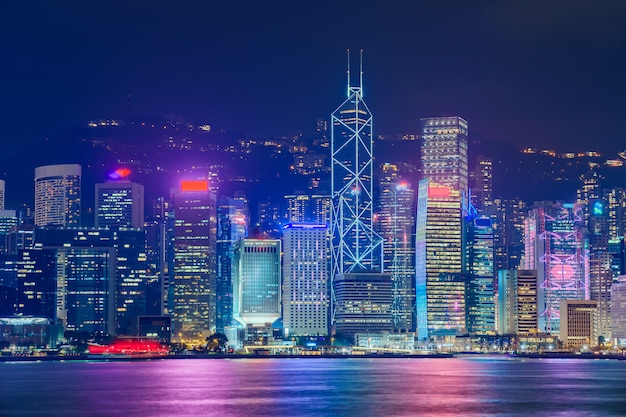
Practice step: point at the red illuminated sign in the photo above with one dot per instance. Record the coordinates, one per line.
(194, 185)
(438, 192)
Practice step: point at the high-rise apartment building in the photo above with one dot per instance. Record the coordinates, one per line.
(57, 195)
(257, 282)
(119, 203)
(305, 280)
(396, 226)
(194, 282)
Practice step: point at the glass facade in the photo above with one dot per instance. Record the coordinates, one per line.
(439, 261)
(232, 225)
(257, 283)
(396, 227)
(480, 277)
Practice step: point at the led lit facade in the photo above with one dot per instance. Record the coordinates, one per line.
(396, 226)
(257, 282)
(57, 195)
(194, 279)
(119, 204)
(480, 277)
(305, 280)
(232, 225)
(441, 197)
(355, 246)
(556, 248)
(440, 292)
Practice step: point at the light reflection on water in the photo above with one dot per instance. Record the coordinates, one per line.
(315, 387)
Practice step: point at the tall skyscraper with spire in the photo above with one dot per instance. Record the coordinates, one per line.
(355, 245)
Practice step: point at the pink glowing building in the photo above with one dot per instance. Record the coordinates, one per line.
(555, 247)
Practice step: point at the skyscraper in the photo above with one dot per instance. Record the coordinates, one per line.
(232, 225)
(355, 246)
(483, 184)
(444, 151)
(396, 226)
(441, 198)
(103, 270)
(555, 246)
(57, 195)
(119, 203)
(600, 273)
(193, 309)
(527, 302)
(480, 277)
(305, 280)
(363, 303)
(257, 280)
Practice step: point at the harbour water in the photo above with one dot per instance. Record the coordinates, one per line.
(472, 386)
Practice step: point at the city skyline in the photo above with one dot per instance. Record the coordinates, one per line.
(524, 73)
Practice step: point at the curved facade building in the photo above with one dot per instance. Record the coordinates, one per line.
(57, 195)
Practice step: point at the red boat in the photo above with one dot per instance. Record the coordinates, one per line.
(129, 347)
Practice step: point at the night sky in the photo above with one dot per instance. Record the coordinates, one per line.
(533, 73)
